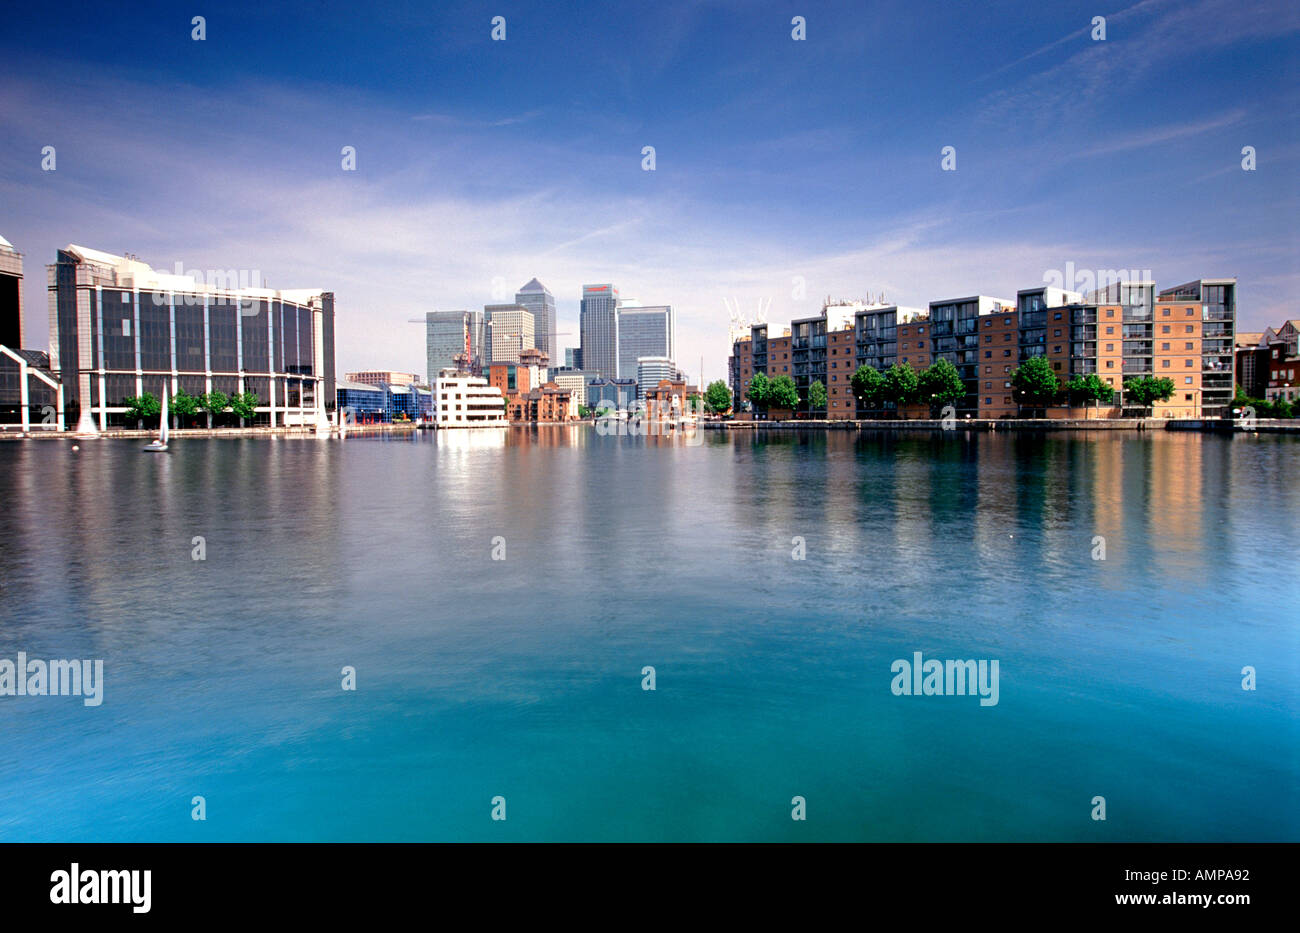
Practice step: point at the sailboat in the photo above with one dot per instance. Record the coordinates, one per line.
(159, 445)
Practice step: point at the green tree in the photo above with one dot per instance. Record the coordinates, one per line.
(782, 393)
(759, 391)
(184, 404)
(817, 396)
(584, 411)
(940, 385)
(142, 407)
(243, 404)
(868, 386)
(902, 387)
(1089, 388)
(717, 397)
(1034, 383)
(213, 403)
(1147, 390)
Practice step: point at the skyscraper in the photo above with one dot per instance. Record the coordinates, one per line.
(643, 332)
(449, 334)
(11, 296)
(511, 329)
(541, 303)
(598, 324)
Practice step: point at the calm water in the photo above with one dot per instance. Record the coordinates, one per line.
(522, 677)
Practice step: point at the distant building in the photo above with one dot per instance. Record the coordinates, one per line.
(618, 394)
(575, 380)
(365, 403)
(119, 329)
(598, 324)
(376, 377)
(545, 404)
(651, 370)
(454, 339)
(573, 357)
(539, 301)
(464, 401)
(11, 296)
(643, 332)
(510, 331)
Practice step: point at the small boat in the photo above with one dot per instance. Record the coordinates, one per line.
(160, 444)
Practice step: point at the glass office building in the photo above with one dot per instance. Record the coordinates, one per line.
(538, 300)
(643, 332)
(598, 323)
(452, 334)
(119, 329)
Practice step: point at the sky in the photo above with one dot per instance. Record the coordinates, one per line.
(785, 170)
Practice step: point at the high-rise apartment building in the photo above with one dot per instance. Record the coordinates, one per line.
(510, 330)
(598, 324)
(541, 304)
(454, 339)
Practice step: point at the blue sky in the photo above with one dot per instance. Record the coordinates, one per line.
(480, 161)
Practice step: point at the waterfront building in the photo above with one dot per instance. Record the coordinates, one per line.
(511, 378)
(618, 394)
(1250, 363)
(465, 401)
(376, 377)
(1268, 363)
(11, 296)
(539, 301)
(454, 340)
(119, 329)
(574, 380)
(510, 331)
(598, 326)
(651, 370)
(644, 332)
(542, 405)
(361, 403)
(30, 392)
(1185, 333)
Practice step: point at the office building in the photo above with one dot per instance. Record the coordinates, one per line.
(574, 380)
(573, 357)
(11, 296)
(454, 340)
(598, 324)
(510, 330)
(651, 370)
(465, 401)
(618, 394)
(378, 377)
(539, 302)
(119, 329)
(644, 332)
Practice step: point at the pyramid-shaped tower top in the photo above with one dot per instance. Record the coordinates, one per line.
(535, 286)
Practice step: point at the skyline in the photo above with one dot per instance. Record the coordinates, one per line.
(774, 158)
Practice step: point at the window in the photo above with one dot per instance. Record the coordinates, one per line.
(1166, 312)
(1056, 349)
(1187, 380)
(920, 344)
(1006, 385)
(1189, 329)
(1006, 369)
(1164, 328)
(1057, 332)
(1056, 316)
(920, 330)
(1006, 352)
(988, 401)
(988, 354)
(1056, 366)
(987, 370)
(1110, 348)
(1110, 364)
(1110, 330)
(1188, 346)
(1187, 396)
(1187, 364)
(988, 323)
(1164, 346)
(1006, 321)
(1164, 364)
(1190, 312)
(1110, 313)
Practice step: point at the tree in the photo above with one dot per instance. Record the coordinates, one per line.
(142, 407)
(1034, 383)
(868, 385)
(213, 403)
(183, 405)
(584, 411)
(1089, 388)
(1147, 390)
(817, 396)
(243, 404)
(759, 391)
(717, 397)
(782, 393)
(940, 385)
(901, 384)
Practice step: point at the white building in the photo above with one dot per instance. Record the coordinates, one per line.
(650, 370)
(464, 401)
(510, 330)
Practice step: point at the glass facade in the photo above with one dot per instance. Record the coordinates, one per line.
(644, 332)
(541, 304)
(598, 323)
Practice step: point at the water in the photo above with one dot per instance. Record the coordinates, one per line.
(522, 678)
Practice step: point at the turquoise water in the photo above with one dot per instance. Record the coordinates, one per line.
(521, 677)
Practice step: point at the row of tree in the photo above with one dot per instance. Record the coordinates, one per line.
(1034, 384)
(145, 407)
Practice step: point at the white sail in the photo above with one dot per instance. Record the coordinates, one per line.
(162, 435)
